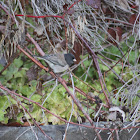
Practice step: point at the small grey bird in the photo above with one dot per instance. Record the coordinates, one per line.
(58, 62)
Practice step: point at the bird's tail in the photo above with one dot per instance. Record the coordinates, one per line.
(38, 57)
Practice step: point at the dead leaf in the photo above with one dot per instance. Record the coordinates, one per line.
(14, 124)
(77, 51)
(112, 116)
(94, 3)
(112, 34)
(39, 30)
(107, 11)
(118, 33)
(117, 109)
(70, 11)
(133, 18)
(39, 88)
(32, 73)
(65, 6)
(124, 4)
(26, 124)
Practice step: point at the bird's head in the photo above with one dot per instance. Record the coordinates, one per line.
(70, 58)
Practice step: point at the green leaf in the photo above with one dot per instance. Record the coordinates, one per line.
(37, 113)
(28, 65)
(4, 102)
(33, 83)
(2, 117)
(10, 72)
(36, 98)
(91, 72)
(18, 62)
(2, 80)
(25, 90)
(86, 63)
(1, 67)
(53, 119)
(20, 73)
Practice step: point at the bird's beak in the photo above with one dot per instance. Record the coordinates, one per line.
(74, 60)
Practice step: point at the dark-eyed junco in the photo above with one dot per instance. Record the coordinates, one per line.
(58, 62)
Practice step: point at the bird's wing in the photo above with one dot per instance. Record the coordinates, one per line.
(56, 59)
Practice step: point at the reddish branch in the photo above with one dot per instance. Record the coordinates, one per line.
(94, 57)
(70, 7)
(88, 97)
(12, 95)
(16, 94)
(88, 48)
(76, 101)
(36, 44)
(73, 4)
